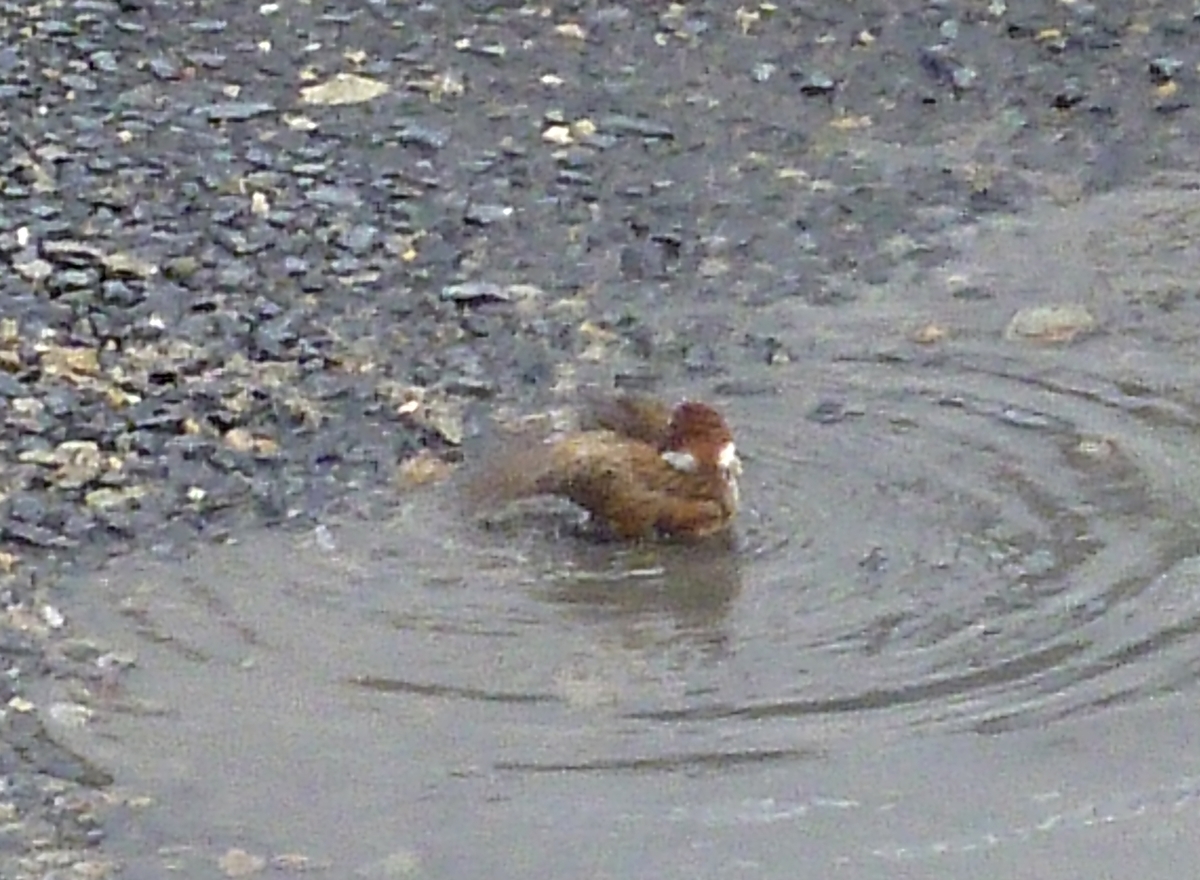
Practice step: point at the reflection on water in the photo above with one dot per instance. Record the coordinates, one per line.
(678, 594)
(987, 537)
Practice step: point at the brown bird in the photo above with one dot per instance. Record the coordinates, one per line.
(641, 468)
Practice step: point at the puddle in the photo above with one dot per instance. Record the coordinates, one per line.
(960, 626)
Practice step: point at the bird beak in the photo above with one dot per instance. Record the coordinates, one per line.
(728, 461)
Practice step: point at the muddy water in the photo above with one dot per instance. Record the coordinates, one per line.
(959, 632)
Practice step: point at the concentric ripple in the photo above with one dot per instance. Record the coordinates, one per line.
(981, 545)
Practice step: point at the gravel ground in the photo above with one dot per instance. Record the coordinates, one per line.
(260, 259)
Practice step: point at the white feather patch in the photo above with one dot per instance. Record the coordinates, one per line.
(681, 461)
(727, 459)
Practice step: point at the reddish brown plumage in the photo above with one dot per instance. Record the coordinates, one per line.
(639, 467)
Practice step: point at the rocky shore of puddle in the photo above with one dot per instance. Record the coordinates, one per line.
(265, 262)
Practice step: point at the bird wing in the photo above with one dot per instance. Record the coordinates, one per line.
(637, 416)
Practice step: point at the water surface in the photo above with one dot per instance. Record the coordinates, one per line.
(958, 632)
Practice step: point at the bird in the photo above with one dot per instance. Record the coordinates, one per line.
(641, 468)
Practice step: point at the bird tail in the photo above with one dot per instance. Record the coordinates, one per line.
(508, 470)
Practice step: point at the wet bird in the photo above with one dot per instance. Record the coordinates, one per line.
(641, 468)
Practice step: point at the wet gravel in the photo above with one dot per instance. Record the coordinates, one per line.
(255, 257)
